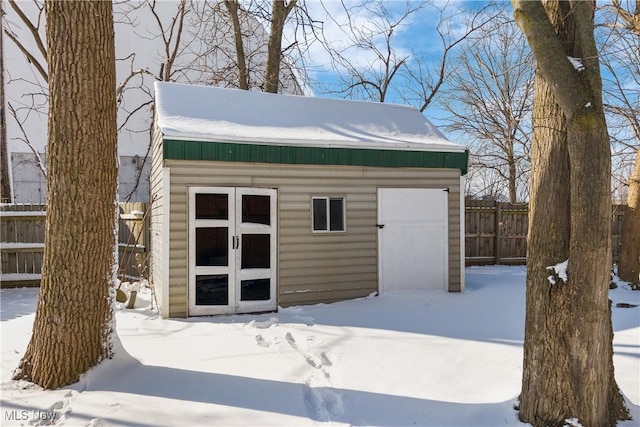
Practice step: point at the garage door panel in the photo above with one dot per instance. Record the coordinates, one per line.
(420, 264)
(418, 205)
(413, 240)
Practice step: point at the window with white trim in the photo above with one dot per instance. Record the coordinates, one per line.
(327, 214)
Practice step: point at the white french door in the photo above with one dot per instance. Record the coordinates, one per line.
(232, 250)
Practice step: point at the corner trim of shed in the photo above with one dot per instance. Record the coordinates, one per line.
(175, 149)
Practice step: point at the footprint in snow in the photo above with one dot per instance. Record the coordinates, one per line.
(325, 359)
(311, 360)
(262, 342)
(291, 340)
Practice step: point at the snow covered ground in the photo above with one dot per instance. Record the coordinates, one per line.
(411, 358)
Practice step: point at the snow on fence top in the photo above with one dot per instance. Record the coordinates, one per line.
(206, 113)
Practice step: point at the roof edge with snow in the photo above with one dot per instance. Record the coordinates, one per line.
(210, 123)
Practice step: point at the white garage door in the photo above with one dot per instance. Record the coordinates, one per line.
(412, 237)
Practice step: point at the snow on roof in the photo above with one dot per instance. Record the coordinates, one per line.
(207, 113)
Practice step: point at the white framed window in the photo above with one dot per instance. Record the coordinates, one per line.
(328, 214)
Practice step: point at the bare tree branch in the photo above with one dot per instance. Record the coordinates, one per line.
(25, 138)
(33, 29)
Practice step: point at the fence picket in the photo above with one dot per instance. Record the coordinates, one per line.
(22, 230)
(506, 225)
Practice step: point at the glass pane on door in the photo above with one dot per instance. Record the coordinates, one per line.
(256, 251)
(255, 290)
(212, 206)
(256, 209)
(232, 250)
(212, 289)
(212, 246)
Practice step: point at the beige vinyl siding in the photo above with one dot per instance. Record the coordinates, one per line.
(312, 268)
(178, 258)
(328, 266)
(156, 224)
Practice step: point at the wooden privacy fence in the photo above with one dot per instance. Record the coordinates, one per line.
(496, 233)
(22, 230)
(133, 241)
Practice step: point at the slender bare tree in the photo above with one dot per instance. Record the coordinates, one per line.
(620, 31)
(489, 97)
(280, 10)
(568, 349)
(175, 41)
(374, 29)
(33, 101)
(5, 184)
(72, 330)
(243, 74)
(258, 54)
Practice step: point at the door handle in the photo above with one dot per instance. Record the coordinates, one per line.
(380, 226)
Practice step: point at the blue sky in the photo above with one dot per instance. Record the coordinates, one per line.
(416, 39)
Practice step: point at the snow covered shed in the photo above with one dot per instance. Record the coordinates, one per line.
(265, 200)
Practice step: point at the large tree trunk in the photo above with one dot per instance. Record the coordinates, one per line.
(629, 264)
(73, 323)
(568, 356)
(590, 340)
(549, 308)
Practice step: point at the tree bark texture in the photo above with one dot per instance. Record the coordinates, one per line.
(568, 350)
(279, 12)
(549, 308)
(629, 265)
(73, 323)
(243, 74)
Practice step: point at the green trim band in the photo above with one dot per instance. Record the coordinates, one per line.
(261, 153)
